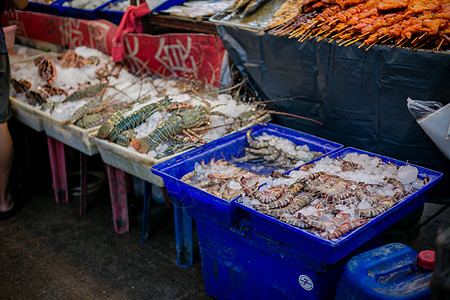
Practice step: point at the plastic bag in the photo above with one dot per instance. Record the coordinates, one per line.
(434, 118)
(420, 109)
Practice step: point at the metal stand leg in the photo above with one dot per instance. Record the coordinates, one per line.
(58, 166)
(146, 211)
(183, 235)
(83, 183)
(118, 193)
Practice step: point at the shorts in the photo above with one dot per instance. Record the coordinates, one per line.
(5, 106)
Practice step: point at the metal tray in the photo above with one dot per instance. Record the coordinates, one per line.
(255, 21)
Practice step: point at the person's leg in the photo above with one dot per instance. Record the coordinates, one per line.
(6, 159)
(6, 145)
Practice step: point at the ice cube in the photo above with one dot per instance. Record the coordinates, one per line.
(246, 201)
(364, 158)
(417, 183)
(351, 156)
(373, 162)
(255, 202)
(224, 98)
(407, 174)
(364, 205)
(234, 185)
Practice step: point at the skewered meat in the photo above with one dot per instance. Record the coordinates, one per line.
(418, 6)
(402, 22)
(392, 4)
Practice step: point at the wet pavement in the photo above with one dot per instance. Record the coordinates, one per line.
(47, 251)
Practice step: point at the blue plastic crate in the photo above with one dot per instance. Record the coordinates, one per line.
(332, 251)
(77, 13)
(43, 8)
(239, 263)
(200, 204)
(168, 4)
(114, 16)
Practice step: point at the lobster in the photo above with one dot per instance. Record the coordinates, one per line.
(176, 124)
(91, 106)
(92, 120)
(89, 91)
(125, 137)
(112, 127)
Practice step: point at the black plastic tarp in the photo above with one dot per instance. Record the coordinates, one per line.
(359, 96)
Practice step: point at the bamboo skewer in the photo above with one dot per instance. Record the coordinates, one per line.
(358, 38)
(346, 41)
(417, 47)
(301, 40)
(334, 36)
(322, 31)
(332, 22)
(329, 33)
(344, 38)
(371, 45)
(302, 36)
(298, 32)
(386, 40)
(382, 37)
(288, 29)
(401, 44)
(361, 45)
(439, 46)
(419, 38)
(305, 30)
(319, 32)
(398, 43)
(354, 41)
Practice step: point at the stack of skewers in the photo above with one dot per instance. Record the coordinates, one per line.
(411, 23)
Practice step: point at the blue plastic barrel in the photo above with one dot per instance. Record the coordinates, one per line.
(387, 272)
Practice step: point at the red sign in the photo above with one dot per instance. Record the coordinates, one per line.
(196, 56)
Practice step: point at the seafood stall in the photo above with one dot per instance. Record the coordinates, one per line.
(307, 220)
(279, 210)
